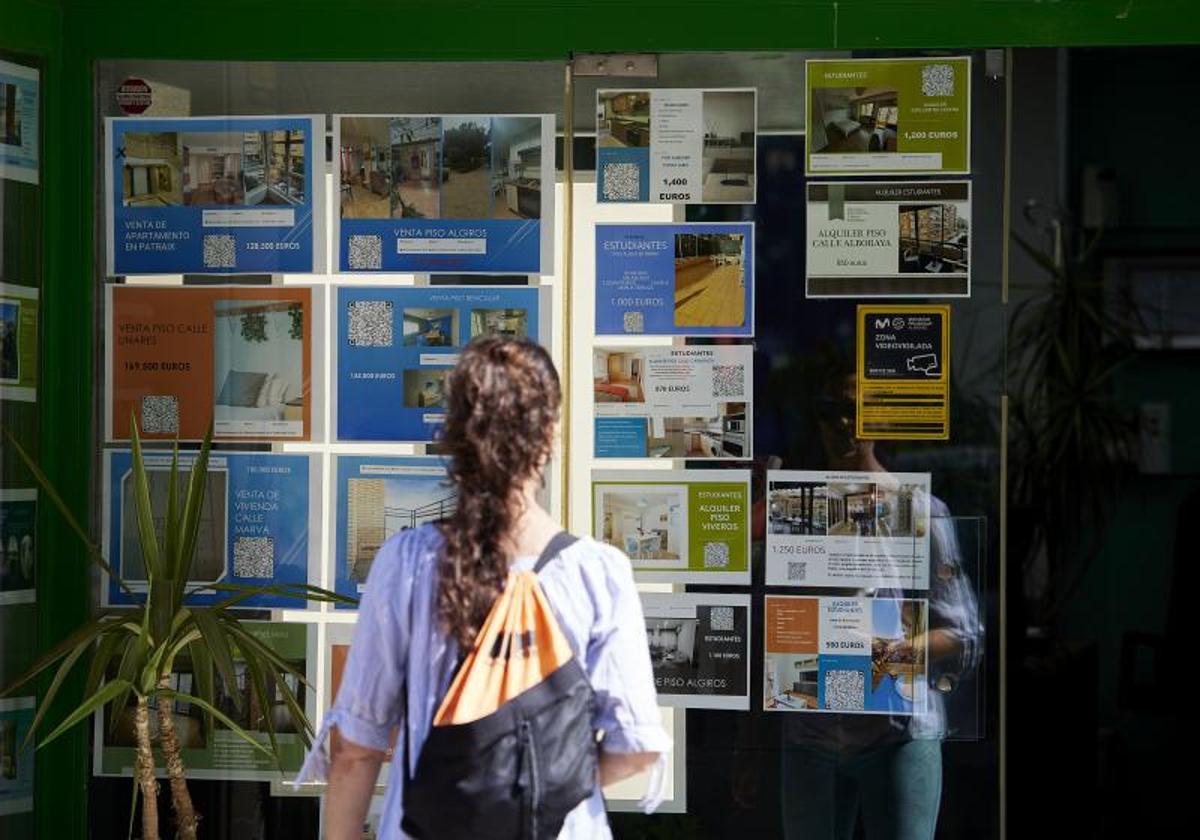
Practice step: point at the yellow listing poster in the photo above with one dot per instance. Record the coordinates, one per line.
(903, 372)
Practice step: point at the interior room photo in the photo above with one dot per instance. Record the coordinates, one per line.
(424, 327)
(516, 185)
(624, 119)
(152, 173)
(617, 376)
(792, 681)
(797, 507)
(851, 509)
(672, 646)
(425, 387)
(853, 120)
(934, 238)
(377, 508)
(365, 163)
(417, 167)
(212, 168)
(646, 524)
(258, 361)
(710, 280)
(508, 322)
(729, 137)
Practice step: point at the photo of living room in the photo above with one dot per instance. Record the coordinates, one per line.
(792, 681)
(853, 120)
(209, 565)
(516, 168)
(934, 238)
(152, 169)
(212, 168)
(623, 119)
(506, 322)
(377, 508)
(673, 647)
(617, 376)
(710, 280)
(425, 387)
(466, 167)
(851, 509)
(365, 164)
(430, 327)
(417, 167)
(647, 523)
(728, 160)
(797, 507)
(258, 365)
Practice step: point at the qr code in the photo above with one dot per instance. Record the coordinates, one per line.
(622, 182)
(220, 251)
(845, 690)
(633, 322)
(370, 323)
(937, 80)
(160, 414)
(716, 555)
(729, 381)
(797, 570)
(720, 619)
(366, 252)
(254, 557)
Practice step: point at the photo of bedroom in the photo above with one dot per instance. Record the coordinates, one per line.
(365, 164)
(516, 168)
(723, 436)
(507, 322)
(10, 353)
(797, 507)
(152, 169)
(378, 507)
(209, 565)
(851, 509)
(673, 648)
(212, 168)
(710, 280)
(728, 160)
(617, 376)
(466, 172)
(853, 120)
(258, 366)
(430, 327)
(623, 119)
(10, 115)
(425, 387)
(934, 238)
(792, 681)
(647, 523)
(417, 167)
(898, 660)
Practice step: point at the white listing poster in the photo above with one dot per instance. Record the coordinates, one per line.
(676, 145)
(19, 140)
(847, 529)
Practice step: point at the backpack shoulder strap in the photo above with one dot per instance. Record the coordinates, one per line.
(558, 544)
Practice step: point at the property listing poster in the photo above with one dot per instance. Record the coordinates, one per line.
(903, 372)
(16, 759)
(240, 357)
(673, 402)
(889, 239)
(19, 118)
(858, 530)
(687, 279)
(677, 527)
(218, 753)
(884, 116)
(18, 342)
(397, 345)
(18, 546)
(377, 497)
(215, 195)
(260, 523)
(699, 649)
(848, 655)
(676, 145)
(458, 193)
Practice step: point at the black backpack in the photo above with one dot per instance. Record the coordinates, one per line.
(516, 773)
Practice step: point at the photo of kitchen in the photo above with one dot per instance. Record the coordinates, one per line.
(935, 238)
(797, 507)
(425, 387)
(853, 120)
(623, 119)
(507, 322)
(728, 159)
(365, 165)
(617, 376)
(723, 436)
(466, 167)
(212, 168)
(851, 509)
(710, 280)
(152, 170)
(645, 522)
(417, 169)
(424, 327)
(516, 184)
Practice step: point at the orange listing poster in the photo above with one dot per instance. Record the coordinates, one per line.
(793, 625)
(238, 357)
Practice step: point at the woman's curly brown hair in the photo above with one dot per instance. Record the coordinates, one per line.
(501, 412)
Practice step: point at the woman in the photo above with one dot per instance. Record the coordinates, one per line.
(430, 589)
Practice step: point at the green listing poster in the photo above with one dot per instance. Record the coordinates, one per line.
(18, 342)
(220, 753)
(888, 116)
(679, 526)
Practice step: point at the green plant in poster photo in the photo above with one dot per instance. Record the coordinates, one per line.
(132, 654)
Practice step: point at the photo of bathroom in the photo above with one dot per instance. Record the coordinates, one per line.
(647, 522)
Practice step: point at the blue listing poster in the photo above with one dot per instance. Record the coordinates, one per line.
(19, 119)
(445, 193)
(259, 524)
(396, 346)
(377, 497)
(215, 195)
(688, 279)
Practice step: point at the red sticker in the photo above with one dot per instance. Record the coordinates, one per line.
(133, 96)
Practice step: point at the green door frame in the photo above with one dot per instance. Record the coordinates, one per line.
(70, 35)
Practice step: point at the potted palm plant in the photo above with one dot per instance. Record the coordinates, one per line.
(132, 654)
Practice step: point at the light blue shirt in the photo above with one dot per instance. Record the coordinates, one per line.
(399, 644)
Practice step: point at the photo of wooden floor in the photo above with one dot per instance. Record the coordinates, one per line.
(709, 292)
